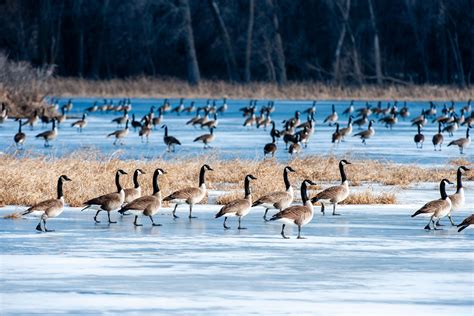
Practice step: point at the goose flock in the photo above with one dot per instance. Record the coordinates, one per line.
(133, 201)
(296, 131)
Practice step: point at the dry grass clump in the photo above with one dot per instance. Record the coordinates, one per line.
(369, 197)
(26, 181)
(169, 88)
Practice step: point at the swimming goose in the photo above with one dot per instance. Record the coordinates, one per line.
(466, 223)
(49, 208)
(270, 148)
(331, 118)
(119, 134)
(19, 137)
(49, 135)
(147, 205)
(368, 133)
(80, 124)
(298, 215)
(419, 138)
(278, 200)
(336, 194)
(438, 138)
(206, 139)
(463, 142)
(108, 202)
(190, 195)
(170, 141)
(438, 208)
(135, 192)
(238, 207)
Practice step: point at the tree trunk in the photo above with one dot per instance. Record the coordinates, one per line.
(248, 50)
(229, 52)
(97, 60)
(194, 75)
(378, 58)
(420, 43)
(340, 41)
(457, 59)
(442, 41)
(278, 45)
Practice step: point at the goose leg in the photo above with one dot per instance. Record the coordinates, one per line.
(191, 211)
(334, 210)
(39, 228)
(322, 208)
(299, 233)
(451, 220)
(152, 222)
(174, 211)
(428, 227)
(46, 229)
(110, 221)
(95, 217)
(135, 221)
(240, 227)
(265, 215)
(225, 226)
(438, 224)
(283, 232)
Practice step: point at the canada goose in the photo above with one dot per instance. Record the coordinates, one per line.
(49, 208)
(190, 108)
(368, 133)
(457, 199)
(466, 223)
(469, 120)
(274, 132)
(336, 136)
(250, 121)
(190, 195)
(349, 109)
(361, 121)
(135, 192)
(278, 200)
(121, 119)
(61, 118)
(346, 131)
(308, 124)
(3, 113)
(336, 194)
(19, 137)
(49, 135)
(295, 147)
(294, 121)
(419, 138)
(461, 119)
(366, 110)
(289, 137)
(145, 131)
(331, 118)
(389, 120)
(311, 109)
(431, 112)
(166, 106)
(135, 124)
(304, 136)
(438, 138)
(93, 108)
(45, 119)
(32, 120)
(80, 123)
(68, 106)
(179, 108)
(211, 123)
(223, 108)
(270, 148)
(261, 118)
(451, 128)
(206, 139)
(468, 107)
(108, 202)
(195, 118)
(421, 119)
(119, 134)
(463, 142)
(170, 141)
(438, 208)
(201, 120)
(238, 207)
(147, 205)
(404, 111)
(298, 215)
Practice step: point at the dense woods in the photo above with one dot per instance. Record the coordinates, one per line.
(331, 41)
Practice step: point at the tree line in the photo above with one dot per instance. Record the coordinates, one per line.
(330, 41)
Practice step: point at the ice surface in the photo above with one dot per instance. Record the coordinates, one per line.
(235, 141)
(372, 260)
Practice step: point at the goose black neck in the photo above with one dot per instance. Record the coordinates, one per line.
(60, 188)
(459, 180)
(202, 179)
(304, 194)
(350, 121)
(166, 131)
(439, 128)
(117, 182)
(343, 173)
(156, 187)
(247, 187)
(285, 178)
(212, 131)
(135, 180)
(467, 132)
(273, 139)
(419, 129)
(19, 127)
(370, 124)
(442, 190)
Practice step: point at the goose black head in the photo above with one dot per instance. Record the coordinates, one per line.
(288, 168)
(309, 182)
(65, 178)
(249, 176)
(206, 166)
(120, 171)
(140, 171)
(345, 162)
(160, 171)
(464, 168)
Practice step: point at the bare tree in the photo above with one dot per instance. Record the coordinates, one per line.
(378, 58)
(194, 75)
(248, 50)
(340, 42)
(278, 44)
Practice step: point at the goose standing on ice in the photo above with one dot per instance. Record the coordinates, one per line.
(206, 139)
(135, 192)
(49, 135)
(336, 194)
(239, 207)
(80, 124)
(419, 138)
(438, 138)
(49, 208)
(270, 148)
(298, 215)
(368, 133)
(170, 141)
(190, 195)
(333, 117)
(457, 199)
(119, 134)
(346, 131)
(19, 137)
(463, 142)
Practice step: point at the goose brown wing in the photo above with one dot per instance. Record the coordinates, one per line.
(140, 204)
(43, 206)
(183, 194)
(233, 207)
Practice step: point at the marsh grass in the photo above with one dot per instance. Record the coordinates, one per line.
(26, 181)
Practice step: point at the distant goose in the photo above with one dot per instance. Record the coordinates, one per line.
(45, 119)
(367, 110)
(250, 121)
(32, 120)
(68, 106)
(404, 112)
(206, 139)
(367, 133)
(190, 195)
(431, 111)
(190, 108)
(239, 207)
(3, 113)
(451, 129)
(121, 119)
(170, 141)
(278, 200)
(80, 124)
(166, 106)
(389, 120)
(462, 143)
(438, 138)
(346, 131)
(147, 205)
(421, 119)
(135, 192)
(49, 208)
(298, 215)
(466, 223)
(195, 118)
(361, 121)
(61, 118)
(336, 194)
(120, 134)
(419, 138)
(179, 108)
(211, 123)
(336, 136)
(311, 109)
(457, 199)
(295, 147)
(270, 148)
(49, 135)
(438, 208)
(201, 120)
(19, 137)
(333, 117)
(349, 109)
(135, 124)
(223, 108)
(145, 131)
(108, 202)
(92, 108)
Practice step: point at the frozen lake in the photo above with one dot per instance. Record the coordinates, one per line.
(371, 260)
(235, 141)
